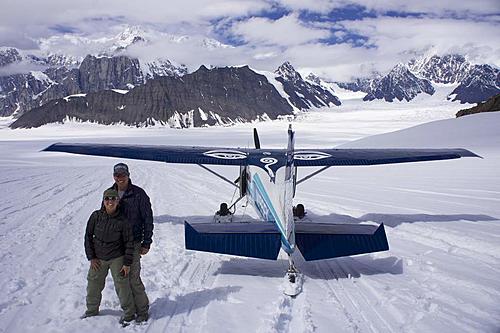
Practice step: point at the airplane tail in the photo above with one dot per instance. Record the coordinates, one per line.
(324, 240)
(263, 240)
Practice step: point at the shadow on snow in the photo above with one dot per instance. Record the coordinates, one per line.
(393, 220)
(165, 307)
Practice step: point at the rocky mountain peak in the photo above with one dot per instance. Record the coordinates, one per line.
(304, 94)
(399, 84)
(399, 70)
(9, 55)
(287, 72)
(131, 35)
(449, 68)
(313, 78)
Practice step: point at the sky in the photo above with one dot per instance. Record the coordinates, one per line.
(338, 40)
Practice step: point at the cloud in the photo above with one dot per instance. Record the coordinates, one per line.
(400, 38)
(22, 67)
(337, 39)
(33, 17)
(286, 31)
(438, 8)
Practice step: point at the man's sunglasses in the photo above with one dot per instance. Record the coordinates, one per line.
(120, 175)
(110, 198)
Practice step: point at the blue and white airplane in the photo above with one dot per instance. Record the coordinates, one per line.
(268, 177)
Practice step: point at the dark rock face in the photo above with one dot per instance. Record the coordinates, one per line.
(480, 83)
(302, 94)
(103, 73)
(399, 84)
(17, 92)
(492, 104)
(64, 76)
(205, 97)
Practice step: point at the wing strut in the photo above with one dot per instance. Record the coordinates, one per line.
(216, 174)
(312, 174)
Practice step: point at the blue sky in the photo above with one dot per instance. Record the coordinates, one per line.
(336, 39)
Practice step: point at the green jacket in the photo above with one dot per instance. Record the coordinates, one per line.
(108, 237)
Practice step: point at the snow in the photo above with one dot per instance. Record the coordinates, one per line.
(67, 98)
(40, 76)
(442, 223)
(121, 91)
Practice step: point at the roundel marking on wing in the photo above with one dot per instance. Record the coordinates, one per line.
(311, 155)
(226, 154)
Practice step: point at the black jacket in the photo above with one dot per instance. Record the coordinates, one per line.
(136, 206)
(108, 237)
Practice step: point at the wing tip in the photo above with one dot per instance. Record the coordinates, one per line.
(52, 147)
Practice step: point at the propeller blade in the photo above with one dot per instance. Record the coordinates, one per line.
(256, 139)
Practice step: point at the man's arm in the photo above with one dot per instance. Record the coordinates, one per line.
(147, 218)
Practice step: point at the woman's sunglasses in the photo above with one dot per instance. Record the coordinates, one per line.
(110, 198)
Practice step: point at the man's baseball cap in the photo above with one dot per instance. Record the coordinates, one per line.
(120, 168)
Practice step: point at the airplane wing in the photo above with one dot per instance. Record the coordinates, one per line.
(325, 157)
(169, 154)
(245, 156)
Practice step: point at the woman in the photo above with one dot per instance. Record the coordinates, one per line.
(109, 245)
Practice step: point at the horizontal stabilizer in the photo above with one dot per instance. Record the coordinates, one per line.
(256, 240)
(322, 240)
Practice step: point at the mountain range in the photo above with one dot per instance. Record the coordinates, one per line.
(31, 85)
(475, 83)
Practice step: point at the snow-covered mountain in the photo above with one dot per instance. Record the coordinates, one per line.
(216, 96)
(365, 85)
(475, 82)
(305, 93)
(451, 68)
(30, 79)
(111, 65)
(399, 84)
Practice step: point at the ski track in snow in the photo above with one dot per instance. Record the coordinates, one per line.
(441, 274)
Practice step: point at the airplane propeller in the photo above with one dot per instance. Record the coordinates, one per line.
(256, 138)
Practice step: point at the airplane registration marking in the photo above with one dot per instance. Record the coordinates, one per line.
(226, 154)
(311, 155)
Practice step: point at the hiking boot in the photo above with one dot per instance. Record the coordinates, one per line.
(89, 314)
(141, 318)
(126, 320)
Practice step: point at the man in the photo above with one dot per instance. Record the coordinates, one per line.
(136, 206)
(109, 245)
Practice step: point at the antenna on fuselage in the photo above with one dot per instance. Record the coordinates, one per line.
(256, 138)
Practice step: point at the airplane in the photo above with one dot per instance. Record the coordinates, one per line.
(268, 178)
